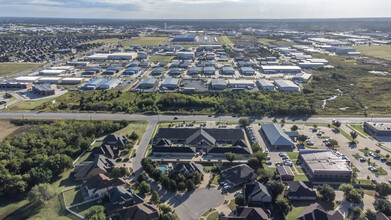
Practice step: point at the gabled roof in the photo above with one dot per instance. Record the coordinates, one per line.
(200, 135)
(101, 162)
(186, 167)
(223, 150)
(240, 143)
(276, 135)
(102, 181)
(238, 174)
(257, 189)
(118, 138)
(163, 142)
(119, 196)
(299, 189)
(248, 213)
(316, 211)
(284, 170)
(163, 149)
(109, 151)
(140, 212)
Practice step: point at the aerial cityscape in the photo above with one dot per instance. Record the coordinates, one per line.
(195, 110)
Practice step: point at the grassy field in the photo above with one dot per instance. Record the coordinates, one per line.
(106, 41)
(7, 128)
(267, 41)
(161, 58)
(232, 205)
(137, 126)
(382, 51)
(213, 216)
(12, 68)
(73, 197)
(145, 41)
(225, 40)
(28, 105)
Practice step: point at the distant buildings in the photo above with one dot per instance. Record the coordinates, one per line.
(264, 84)
(189, 38)
(280, 69)
(286, 85)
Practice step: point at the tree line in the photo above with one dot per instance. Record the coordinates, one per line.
(45, 149)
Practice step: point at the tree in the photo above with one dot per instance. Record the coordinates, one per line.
(239, 200)
(180, 178)
(326, 192)
(382, 205)
(370, 214)
(190, 185)
(337, 124)
(155, 199)
(352, 194)
(274, 120)
(118, 172)
(230, 156)
(283, 205)
(315, 126)
(265, 175)
(253, 163)
(40, 175)
(275, 188)
(96, 213)
(181, 186)
(383, 189)
(165, 209)
(167, 216)
(283, 121)
(353, 134)
(243, 122)
(255, 147)
(140, 178)
(173, 185)
(134, 136)
(356, 212)
(40, 193)
(302, 138)
(333, 143)
(197, 178)
(294, 128)
(145, 187)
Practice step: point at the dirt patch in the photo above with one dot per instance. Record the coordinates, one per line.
(7, 128)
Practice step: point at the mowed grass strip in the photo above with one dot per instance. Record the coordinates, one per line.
(145, 41)
(12, 68)
(382, 51)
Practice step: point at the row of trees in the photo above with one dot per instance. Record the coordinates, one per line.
(45, 150)
(245, 103)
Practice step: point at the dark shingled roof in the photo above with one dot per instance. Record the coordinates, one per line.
(81, 170)
(174, 150)
(101, 181)
(257, 189)
(247, 213)
(223, 150)
(239, 174)
(316, 211)
(140, 212)
(300, 189)
(120, 197)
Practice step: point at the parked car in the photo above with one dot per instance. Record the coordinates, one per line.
(362, 160)
(383, 160)
(282, 154)
(374, 181)
(388, 163)
(269, 163)
(268, 158)
(175, 118)
(371, 154)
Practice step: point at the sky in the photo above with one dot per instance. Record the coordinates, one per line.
(196, 9)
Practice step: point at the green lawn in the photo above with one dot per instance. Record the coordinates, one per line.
(293, 155)
(83, 209)
(301, 177)
(106, 41)
(161, 58)
(207, 212)
(137, 126)
(73, 197)
(225, 41)
(145, 41)
(28, 105)
(213, 216)
(297, 209)
(382, 51)
(12, 68)
(232, 204)
(216, 180)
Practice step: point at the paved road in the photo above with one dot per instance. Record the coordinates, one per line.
(156, 118)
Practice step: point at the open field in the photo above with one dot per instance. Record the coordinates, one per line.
(12, 68)
(266, 41)
(382, 52)
(225, 40)
(28, 105)
(137, 126)
(6, 128)
(106, 41)
(145, 41)
(161, 58)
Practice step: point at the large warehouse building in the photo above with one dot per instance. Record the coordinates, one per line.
(325, 165)
(276, 137)
(185, 38)
(281, 69)
(286, 85)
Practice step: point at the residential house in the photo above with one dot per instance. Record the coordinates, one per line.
(299, 190)
(118, 140)
(141, 211)
(87, 169)
(248, 213)
(109, 151)
(256, 194)
(120, 198)
(187, 169)
(238, 174)
(98, 185)
(315, 211)
(285, 173)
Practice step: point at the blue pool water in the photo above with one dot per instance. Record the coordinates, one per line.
(162, 168)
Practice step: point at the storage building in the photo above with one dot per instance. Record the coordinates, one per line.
(72, 81)
(132, 70)
(44, 89)
(148, 83)
(240, 84)
(122, 56)
(276, 137)
(52, 72)
(49, 80)
(280, 69)
(227, 70)
(108, 84)
(209, 70)
(264, 84)
(286, 85)
(218, 84)
(175, 71)
(170, 83)
(247, 71)
(186, 55)
(194, 70)
(15, 85)
(157, 71)
(185, 38)
(94, 83)
(27, 79)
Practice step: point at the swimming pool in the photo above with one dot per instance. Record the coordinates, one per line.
(163, 168)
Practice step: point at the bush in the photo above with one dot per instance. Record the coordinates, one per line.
(239, 200)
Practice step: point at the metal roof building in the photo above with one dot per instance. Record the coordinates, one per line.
(218, 84)
(185, 38)
(148, 83)
(26, 79)
(132, 70)
(49, 80)
(286, 85)
(72, 81)
(227, 70)
(94, 83)
(108, 84)
(276, 137)
(281, 69)
(210, 70)
(170, 83)
(265, 84)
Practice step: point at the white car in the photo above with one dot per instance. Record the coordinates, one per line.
(389, 181)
